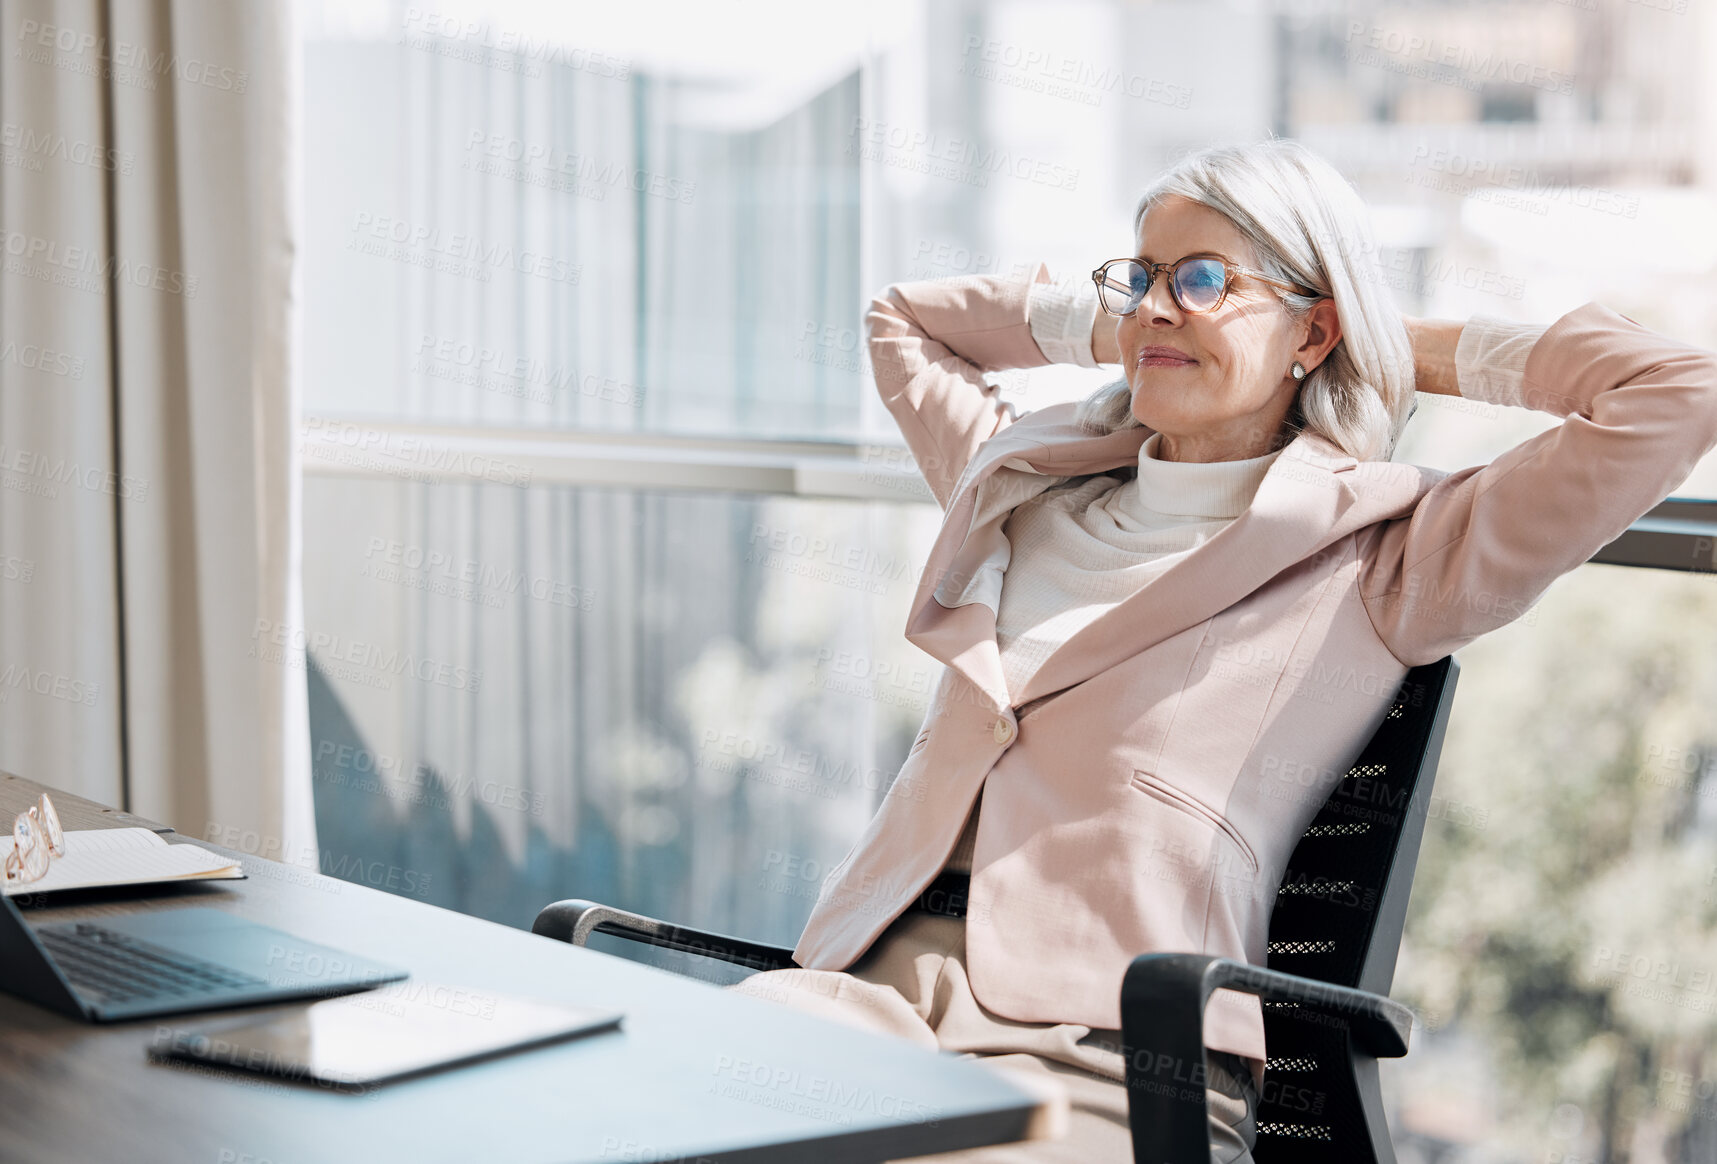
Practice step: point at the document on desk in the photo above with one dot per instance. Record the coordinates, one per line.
(97, 858)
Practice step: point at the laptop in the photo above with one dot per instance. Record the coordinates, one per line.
(170, 961)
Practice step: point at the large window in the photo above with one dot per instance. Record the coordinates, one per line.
(609, 541)
(689, 702)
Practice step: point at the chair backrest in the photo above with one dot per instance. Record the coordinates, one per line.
(1343, 901)
(1338, 918)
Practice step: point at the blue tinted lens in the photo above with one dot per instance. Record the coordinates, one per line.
(1139, 284)
(1122, 286)
(1199, 284)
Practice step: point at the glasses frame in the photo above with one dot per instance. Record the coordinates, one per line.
(1229, 271)
(42, 823)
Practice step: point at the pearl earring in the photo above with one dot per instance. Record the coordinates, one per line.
(1298, 370)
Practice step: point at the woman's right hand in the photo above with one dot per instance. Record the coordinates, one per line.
(1105, 344)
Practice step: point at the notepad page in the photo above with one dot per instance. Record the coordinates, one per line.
(132, 856)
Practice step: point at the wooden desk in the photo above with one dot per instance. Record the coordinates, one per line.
(696, 1074)
(18, 794)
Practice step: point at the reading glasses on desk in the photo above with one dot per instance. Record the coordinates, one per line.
(36, 839)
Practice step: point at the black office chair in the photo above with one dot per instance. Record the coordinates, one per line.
(1334, 936)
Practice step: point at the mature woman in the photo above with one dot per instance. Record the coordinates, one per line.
(1161, 609)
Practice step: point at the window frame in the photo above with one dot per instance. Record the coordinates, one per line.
(1679, 533)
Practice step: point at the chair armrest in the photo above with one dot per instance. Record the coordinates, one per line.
(1162, 1024)
(574, 921)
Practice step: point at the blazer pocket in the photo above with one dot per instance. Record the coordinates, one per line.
(1150, 785)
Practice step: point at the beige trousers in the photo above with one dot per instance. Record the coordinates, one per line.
(912, 983)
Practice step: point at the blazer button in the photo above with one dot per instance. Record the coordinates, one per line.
(1004, 731)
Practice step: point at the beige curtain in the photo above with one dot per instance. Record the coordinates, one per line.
(149, 515)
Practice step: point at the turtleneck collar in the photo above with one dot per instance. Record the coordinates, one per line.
(1207, 489)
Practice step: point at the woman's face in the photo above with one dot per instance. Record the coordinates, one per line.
(1216, 385)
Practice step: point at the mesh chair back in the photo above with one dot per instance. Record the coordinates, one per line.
(1338, 918)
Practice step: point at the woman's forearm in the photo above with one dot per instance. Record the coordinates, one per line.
(1434, 344)
(1105, 347)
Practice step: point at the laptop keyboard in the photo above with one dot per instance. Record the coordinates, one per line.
(123, 969)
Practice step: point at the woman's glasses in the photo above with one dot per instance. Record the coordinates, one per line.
(1199, 283)
(36, 836)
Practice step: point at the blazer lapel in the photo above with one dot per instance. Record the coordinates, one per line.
(1011, 467)
(1298, 507)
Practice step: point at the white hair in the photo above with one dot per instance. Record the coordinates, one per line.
(1310, 228)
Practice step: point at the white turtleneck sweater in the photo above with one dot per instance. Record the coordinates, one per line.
(1080, 548)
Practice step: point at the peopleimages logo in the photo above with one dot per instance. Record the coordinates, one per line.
(278, 642)
(416, 561)
(404, 455)
(49, 472)
(461, 37)
(62, 687)
(45, 360)
(462, 361)
(1055, 75)
(57, 146)
(90, 51)
(1471, 173)
(453, 252)
(959, 159)
(1411, 51)
(537, 163)
(49, 259)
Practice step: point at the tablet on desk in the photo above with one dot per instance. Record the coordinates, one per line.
(399, 1030)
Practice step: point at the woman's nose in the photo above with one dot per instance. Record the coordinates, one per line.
(1158, 302)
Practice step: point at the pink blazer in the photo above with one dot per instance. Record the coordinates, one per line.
(1144, 791)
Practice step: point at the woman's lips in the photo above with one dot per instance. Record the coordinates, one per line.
(1163, 358)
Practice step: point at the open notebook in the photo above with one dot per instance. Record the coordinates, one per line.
(100, 857)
